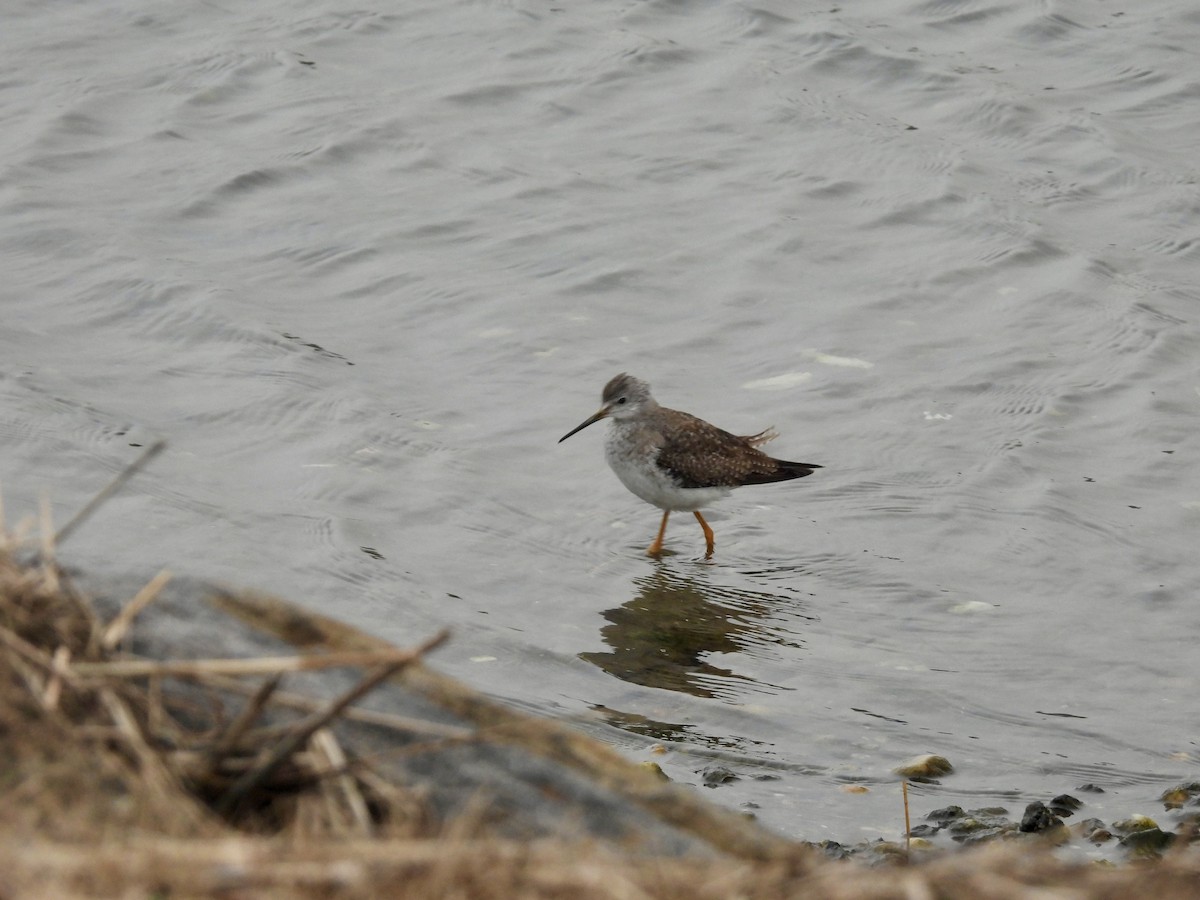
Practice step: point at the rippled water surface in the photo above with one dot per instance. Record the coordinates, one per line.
(361, 268)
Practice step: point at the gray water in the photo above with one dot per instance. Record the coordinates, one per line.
(362, 266)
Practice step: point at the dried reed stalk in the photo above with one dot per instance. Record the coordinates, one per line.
(266, 665)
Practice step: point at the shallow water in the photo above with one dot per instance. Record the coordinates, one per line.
(362, 268)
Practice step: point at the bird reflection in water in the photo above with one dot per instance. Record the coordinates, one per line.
(663, 637)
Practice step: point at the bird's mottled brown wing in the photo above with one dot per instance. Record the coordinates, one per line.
(700, 455)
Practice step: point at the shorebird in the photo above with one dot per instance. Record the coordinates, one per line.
(676, 461)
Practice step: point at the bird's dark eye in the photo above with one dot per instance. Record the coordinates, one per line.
(621, 400)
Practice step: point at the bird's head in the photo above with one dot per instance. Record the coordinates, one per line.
(624, 397)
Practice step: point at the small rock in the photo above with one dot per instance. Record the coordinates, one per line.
(1181, 795)
(988, 812)
(946, 814)
(1064, 805)
(832, 849)
(970, 825)
(887, 851)
(924, 767)
(978, 825)
(1149, 842)
(1093, 830)
(717, 776)
(1038, 818)
(984, 832)
(1134, 824)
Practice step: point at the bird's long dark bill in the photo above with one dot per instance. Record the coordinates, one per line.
(584, 424)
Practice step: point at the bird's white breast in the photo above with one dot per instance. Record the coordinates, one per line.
(635, 462)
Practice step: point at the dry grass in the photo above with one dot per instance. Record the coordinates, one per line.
(109, 789)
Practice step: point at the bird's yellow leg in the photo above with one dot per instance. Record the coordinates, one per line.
(655, 549)
(708, 535)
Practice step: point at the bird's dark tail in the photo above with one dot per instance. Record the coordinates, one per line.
(784, 471)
